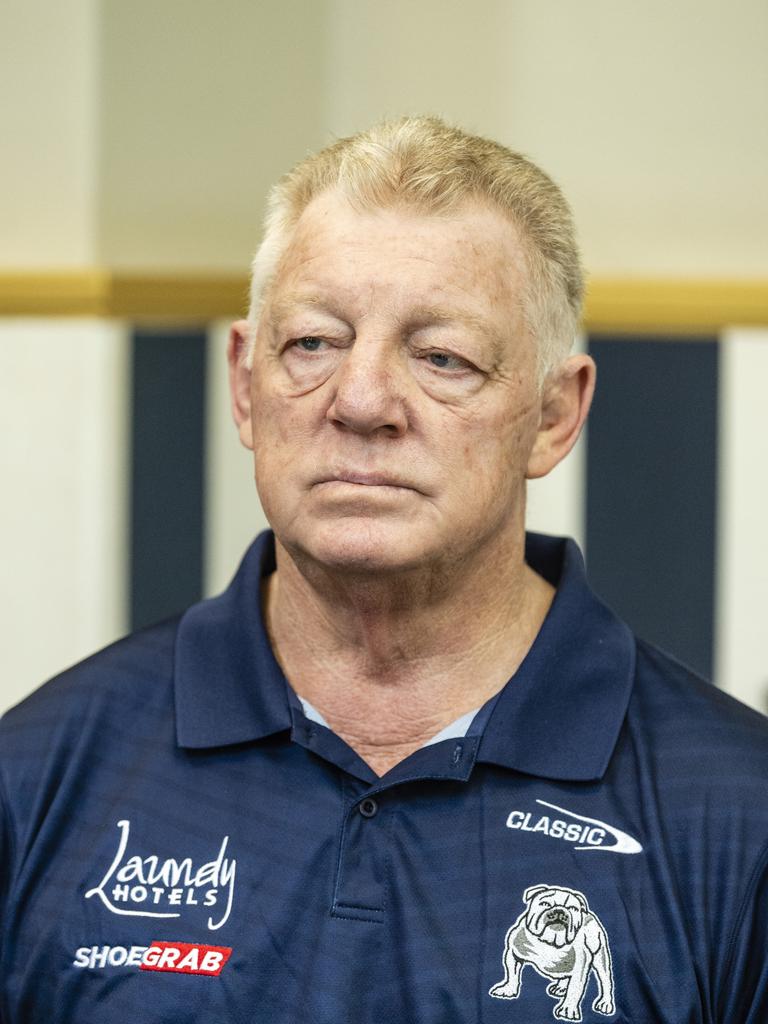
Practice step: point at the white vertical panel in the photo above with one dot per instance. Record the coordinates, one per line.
(63, 441)
(233, 514)
(556, 501)
(741, 647)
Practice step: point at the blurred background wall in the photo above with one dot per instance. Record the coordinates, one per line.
(138, 143)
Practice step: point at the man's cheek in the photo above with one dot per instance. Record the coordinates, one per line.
(278, 422)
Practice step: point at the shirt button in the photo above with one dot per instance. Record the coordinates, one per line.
(368, 807)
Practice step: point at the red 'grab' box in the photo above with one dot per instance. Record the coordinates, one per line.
(186, 958)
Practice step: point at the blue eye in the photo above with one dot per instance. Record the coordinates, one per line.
(309, 344)
(443, 361)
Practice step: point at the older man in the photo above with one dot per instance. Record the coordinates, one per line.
(408, 767)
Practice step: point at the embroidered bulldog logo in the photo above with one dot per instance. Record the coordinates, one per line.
(564, 941)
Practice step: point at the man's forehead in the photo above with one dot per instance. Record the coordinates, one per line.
(475, 226)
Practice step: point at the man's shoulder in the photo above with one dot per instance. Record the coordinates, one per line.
(128, 678)
(693, 721)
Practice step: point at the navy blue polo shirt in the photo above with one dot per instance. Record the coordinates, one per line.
(180, 842)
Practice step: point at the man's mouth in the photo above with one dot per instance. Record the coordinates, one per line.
(365, 479)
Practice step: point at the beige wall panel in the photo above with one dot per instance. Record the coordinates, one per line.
(653, 118)
(233, 514)
(48, 97)
(741, 653)
(444, 57)
(204, 105)
(63, 387)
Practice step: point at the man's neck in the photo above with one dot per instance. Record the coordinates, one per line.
(388, 662)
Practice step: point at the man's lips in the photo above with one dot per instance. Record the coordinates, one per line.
(366, 479)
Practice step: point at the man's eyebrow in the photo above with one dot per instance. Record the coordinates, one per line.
(421, 317)
(427, 317)
(292, 303)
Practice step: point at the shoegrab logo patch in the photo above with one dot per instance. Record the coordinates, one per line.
(584, 833)
(150, 886)
(565, 942)
(171, 957)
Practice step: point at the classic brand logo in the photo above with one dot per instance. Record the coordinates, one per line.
(133, 885)
(589, 833)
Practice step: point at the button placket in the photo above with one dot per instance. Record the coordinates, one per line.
(360, 888)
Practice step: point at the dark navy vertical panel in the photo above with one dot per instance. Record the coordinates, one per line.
(651, 489)
(167, 479)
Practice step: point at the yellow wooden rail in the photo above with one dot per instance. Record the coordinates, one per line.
(105, 293)
(616, 305)
(677, 306)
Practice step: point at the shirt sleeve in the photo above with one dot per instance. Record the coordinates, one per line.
(744, 987)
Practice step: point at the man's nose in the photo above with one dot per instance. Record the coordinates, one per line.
(370, 392)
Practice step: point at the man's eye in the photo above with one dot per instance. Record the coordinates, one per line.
(309, 344)
(443, 361)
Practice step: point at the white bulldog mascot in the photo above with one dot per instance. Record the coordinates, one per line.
(559, 935)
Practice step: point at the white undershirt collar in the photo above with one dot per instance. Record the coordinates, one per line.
(458, 728)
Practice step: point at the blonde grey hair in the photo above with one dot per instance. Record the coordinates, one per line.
(434, 167)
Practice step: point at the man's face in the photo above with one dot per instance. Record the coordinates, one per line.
(393, 394)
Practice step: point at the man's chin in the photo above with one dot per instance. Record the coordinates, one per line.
(361, 547)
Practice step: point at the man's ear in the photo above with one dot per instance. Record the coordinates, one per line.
(565, 401)
(240, 334)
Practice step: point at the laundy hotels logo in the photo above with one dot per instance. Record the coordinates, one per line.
(149, 886)
(581, 832)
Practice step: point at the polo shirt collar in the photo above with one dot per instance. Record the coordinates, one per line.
(559, 716)
(228, 686)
